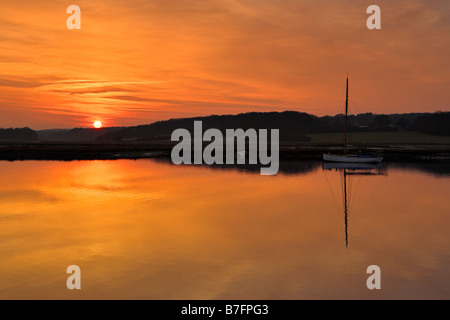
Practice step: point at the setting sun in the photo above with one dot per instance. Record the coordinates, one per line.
(97, 124)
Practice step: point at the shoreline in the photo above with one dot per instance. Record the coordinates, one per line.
(68, 151)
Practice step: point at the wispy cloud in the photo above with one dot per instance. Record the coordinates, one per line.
(140, 61)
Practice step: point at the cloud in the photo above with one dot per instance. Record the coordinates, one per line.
(105, 89)
(27, 195)
(19, 83)
(28, 82)
(221, 56)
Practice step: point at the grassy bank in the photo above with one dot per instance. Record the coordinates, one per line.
(391, 137)
(394, 146)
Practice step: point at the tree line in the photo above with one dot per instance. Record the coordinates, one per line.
(293, 126)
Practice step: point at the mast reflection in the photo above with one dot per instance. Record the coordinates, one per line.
(351, 169)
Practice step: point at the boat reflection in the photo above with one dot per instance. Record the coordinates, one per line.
(347, 170)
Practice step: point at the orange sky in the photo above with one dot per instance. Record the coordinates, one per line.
(135, 62)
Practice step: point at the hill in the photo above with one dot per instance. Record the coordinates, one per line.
(75, 134)
(18, 134)
(294, 126)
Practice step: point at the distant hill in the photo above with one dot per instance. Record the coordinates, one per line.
(293, 126)
(436, 123)
(372, 122)
(76, 134)
(18, 134)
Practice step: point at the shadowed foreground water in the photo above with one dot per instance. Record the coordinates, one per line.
(150, 230)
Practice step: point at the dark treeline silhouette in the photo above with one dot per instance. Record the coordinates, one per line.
(18, 134)
(437, 123)
(293, 126)
(373, 122)
(76, 134)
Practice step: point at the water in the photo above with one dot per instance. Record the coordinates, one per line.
(150, 230)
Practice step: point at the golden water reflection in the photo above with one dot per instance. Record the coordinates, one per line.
(150, 230)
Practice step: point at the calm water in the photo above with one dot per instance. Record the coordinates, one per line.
(150, 230)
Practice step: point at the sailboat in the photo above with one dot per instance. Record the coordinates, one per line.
(345, 157)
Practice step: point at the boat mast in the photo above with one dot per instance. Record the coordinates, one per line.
(345, 207)
(346, 118)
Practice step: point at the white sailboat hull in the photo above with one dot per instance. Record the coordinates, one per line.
(350, 166)
(351, 158)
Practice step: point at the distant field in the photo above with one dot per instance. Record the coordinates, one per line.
(392, 137)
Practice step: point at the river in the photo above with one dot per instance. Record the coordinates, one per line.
(147, 229)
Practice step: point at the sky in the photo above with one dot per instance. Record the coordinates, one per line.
(135, 62)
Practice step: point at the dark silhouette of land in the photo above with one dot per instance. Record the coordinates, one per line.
(405, 137)
(294, 126)
(18, 134)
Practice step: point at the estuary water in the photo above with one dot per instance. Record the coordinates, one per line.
(147, 229)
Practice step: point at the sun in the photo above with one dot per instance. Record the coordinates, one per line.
(97, 124)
